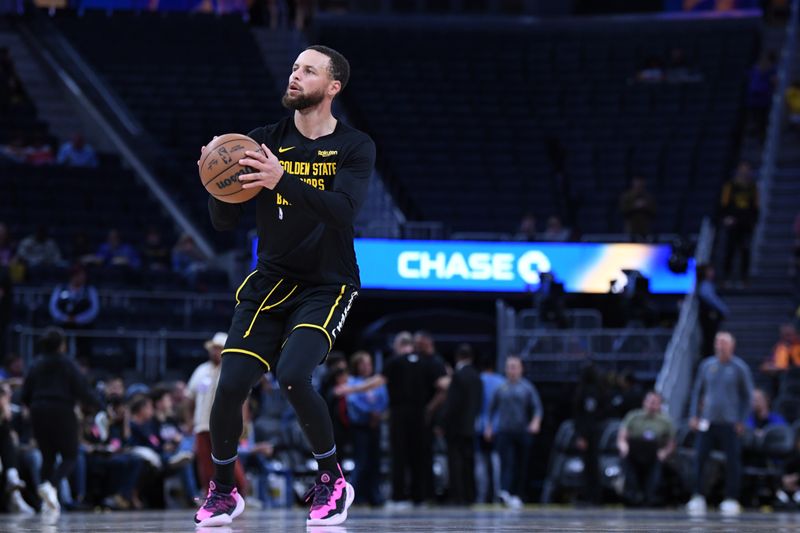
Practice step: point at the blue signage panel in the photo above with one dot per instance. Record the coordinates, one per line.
(513, 266)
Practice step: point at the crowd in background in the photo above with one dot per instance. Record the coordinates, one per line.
(422, 429)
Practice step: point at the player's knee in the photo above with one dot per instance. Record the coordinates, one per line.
(292, 381)
(231, 389)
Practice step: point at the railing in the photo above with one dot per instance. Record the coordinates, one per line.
(774, 131)
(674, 379)
(181, 305)
(576, 318)
(557, 355)
(149, 348)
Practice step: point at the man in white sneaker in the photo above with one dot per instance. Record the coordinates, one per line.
(723, 387)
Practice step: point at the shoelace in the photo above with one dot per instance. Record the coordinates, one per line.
(320, 493)
(213, 499)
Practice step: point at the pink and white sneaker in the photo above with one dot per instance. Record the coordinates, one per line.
(330, 498)
(220, 508)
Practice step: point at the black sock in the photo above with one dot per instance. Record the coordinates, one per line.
(224, 475)
(227, 488)
(330, 464)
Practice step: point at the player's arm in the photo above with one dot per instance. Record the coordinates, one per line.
(224, 216)
(337, 207)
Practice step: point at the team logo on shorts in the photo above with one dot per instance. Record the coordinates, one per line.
(339, 326)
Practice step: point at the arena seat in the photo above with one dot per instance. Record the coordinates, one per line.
(470, 106)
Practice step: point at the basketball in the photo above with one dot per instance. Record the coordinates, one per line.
(220, 168)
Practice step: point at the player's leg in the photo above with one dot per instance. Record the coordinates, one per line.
(312, 329)
(239, 373)
(253, 341)
(331, 495)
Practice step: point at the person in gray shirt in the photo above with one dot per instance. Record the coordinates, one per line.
(720, 404)
(515, 416)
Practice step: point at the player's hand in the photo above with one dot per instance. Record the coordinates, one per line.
(694, 423)
(268, 170)
(203, 149)
(623, 449)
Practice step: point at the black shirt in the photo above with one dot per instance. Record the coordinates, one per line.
(305, 225)
(411, 382)
(56, 380)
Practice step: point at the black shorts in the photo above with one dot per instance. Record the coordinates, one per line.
(268, 310)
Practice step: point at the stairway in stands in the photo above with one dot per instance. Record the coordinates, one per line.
(770, 300)
(47, 96)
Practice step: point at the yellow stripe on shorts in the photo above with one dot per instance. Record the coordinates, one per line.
(246, 352)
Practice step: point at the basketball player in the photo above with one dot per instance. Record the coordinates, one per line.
(313, 175)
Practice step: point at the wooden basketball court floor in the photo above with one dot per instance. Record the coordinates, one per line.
(428, 520)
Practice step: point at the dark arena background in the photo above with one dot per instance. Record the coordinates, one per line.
(573, 198)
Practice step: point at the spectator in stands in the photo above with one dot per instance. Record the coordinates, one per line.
(6, 246)
(785, 353)
(39, 249)
(646, 438)
(761, 415)
(626, 394)
(366, 410)
(201, 390)
(6, 307)
(146, 433)
(39, 151)
(554, 231)
(13, 369)
(155, 254)
(712, 310)
(15, 151)
(105, 441)
(75, 305)
(527, 228)
(114, 252)
(425, 345)
(590, 410)
(81, 251)
(461, 409)
(16, 98)
(51, 390)
(336, 360)
(412, 383)
(789, 492)
(794, 269)
(187, 259)
(9, 453)
(337, 407)
(792, 98)
(487, 460)
(721, 399)
(519, 412)
(77, 153)
(652, 71)
(761, 82)
(638, 209)
(739, 206)
(678, 69)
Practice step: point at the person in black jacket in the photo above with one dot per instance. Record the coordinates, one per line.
(51, 389)
(590, 410)
(461, 408)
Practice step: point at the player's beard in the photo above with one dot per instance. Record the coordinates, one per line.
(302, 100)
